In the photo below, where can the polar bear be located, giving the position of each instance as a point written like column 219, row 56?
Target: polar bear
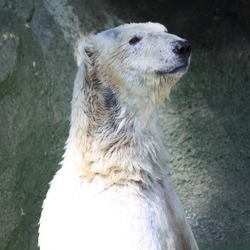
column 112, row 191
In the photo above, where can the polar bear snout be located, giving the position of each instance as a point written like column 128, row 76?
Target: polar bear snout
column 177, row 57
column 178, row 63
column 181, row 48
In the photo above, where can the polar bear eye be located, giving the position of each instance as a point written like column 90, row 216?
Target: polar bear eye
column 135, row 40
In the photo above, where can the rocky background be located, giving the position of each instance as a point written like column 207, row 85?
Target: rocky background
column 206, row 122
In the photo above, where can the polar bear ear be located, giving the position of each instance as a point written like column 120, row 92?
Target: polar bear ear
column 89, row 51
column 85, row 52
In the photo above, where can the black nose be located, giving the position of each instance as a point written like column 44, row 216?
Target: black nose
column 181, row 47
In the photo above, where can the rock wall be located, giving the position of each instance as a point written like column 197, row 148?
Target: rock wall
column 206, row 123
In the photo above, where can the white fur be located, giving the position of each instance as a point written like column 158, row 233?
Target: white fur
column 113, row 191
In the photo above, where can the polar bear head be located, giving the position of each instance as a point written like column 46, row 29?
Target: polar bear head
column 140, row 59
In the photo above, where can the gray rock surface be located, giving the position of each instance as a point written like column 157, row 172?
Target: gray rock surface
column 206, row 123
column 8, row 50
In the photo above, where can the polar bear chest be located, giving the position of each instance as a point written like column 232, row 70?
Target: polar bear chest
column 78, row 216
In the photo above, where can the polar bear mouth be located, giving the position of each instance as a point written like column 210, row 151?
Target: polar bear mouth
column 180, row 69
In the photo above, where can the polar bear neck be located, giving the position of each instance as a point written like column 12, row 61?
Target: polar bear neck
column 110, row 142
